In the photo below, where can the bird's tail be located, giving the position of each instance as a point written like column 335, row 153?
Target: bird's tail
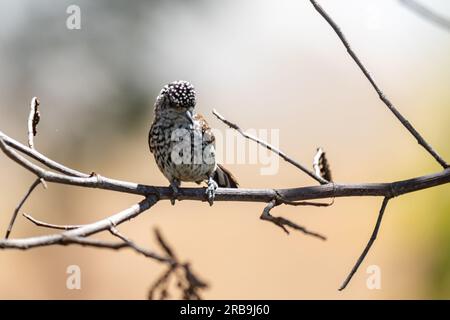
column 224, row 178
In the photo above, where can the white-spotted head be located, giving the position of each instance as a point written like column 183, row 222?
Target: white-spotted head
column 179, row 95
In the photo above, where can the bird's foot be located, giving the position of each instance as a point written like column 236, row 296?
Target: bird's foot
column 211, row 190
column 175, row 192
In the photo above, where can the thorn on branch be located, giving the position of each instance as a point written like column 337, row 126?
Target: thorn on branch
column 283, row 222
column 44, row 184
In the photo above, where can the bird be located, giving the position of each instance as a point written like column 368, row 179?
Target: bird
column 183, row 143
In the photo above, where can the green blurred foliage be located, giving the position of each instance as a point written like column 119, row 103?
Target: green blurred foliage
column 440, row 265
column 439, row 272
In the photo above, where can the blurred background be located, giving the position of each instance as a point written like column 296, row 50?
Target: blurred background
column 263, row 64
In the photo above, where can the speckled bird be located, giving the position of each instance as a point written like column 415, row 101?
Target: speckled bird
column 182, row 142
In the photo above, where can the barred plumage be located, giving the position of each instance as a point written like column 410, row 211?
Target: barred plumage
column 182, row 141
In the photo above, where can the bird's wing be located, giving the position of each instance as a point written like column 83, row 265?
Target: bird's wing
column 208, row 136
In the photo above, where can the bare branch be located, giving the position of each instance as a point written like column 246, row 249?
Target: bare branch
column 224, row 194
column 283, row 223
column 21, row 203
column 304, row 203
column 368, row 246
column 380, row 93
column 161, row 284
column 51, row 225
column 92, row 181
column 33, row 120
column 192, row 284
column 83, row 231
column 164, row 244
column 85, row 242
column 40, row 157
column 145, row 252
column 281, row 200
column 427, row 13
column 287, row 196
column 271, row 148
column 187, row 281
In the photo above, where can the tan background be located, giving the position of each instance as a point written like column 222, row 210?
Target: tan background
column 263, row 64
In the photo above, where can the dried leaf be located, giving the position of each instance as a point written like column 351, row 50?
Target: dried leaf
column 321, row 166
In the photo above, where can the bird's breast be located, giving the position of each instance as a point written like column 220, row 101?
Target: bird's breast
column 181, row 150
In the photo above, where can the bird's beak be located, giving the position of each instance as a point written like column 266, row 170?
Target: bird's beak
column 189, row 116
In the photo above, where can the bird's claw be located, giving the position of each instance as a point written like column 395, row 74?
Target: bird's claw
column 175, row 192
column 174, row 198
column 211, row 191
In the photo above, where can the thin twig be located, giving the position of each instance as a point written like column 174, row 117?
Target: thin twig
column 283, row 222
column 304, row 203
column 40, row 157
column 187, row 281
column 427, row 13
column 51, row 225
column 368, row 246
column 271, row 148
column 280, row 199
column 164, row 244
column 21, row 203
column 84, row 241
column 66, row 240
column 83, row 231
column 161, row 281
column 380, row 93
column 145, row 252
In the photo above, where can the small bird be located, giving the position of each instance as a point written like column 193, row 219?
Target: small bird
column 182, row 142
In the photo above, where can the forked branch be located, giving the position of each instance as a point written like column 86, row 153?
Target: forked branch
column 48, row 170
